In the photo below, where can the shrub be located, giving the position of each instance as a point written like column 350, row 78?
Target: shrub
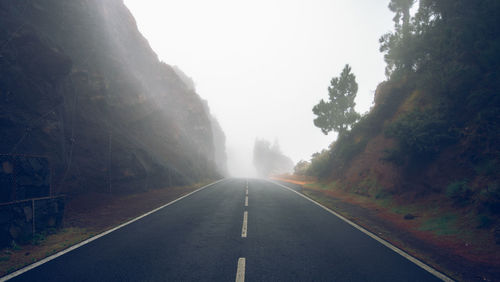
column 490, row 198
column 487, row 167
column 459, row 192
column 319, row 166
column 422, row 134
column 484, row 222
column 395, row 156
column 301, row 167
column 347, row 149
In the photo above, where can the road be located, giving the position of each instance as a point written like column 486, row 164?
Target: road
column 228, row 231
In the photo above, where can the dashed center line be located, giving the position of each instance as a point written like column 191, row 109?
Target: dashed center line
column 240, row 272
column 244, row 228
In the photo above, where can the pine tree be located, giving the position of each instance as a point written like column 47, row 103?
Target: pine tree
column 338, row 113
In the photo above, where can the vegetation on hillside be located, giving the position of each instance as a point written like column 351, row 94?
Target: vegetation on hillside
column 434, row 128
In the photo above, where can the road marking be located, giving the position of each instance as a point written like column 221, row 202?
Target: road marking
column 244, row 228
column 74, row 247
column 240, row 271
column 421, row 264
column 246, row 201
column 246, row 192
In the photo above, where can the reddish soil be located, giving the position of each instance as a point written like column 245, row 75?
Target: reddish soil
column 98, row 212
column 469, row 260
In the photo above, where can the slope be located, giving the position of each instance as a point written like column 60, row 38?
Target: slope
column 81, row 86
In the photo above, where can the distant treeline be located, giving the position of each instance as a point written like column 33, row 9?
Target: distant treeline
column 269, row 160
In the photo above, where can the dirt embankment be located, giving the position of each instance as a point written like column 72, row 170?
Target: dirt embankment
column 437, row 239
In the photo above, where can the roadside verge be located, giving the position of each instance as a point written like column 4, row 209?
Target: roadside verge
column 406, row 255
column 97, row 233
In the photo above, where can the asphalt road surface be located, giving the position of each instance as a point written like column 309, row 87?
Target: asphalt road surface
column 229, row 232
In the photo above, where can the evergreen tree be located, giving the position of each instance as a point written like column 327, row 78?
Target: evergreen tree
column 402, row 17
column 338, row 113
column 397, row 45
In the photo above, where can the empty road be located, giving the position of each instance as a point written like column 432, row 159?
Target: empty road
column 233, row 230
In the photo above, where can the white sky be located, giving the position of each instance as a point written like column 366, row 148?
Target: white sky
column 263, row 64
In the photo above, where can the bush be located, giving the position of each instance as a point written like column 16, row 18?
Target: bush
column 487, row 168
column 319, row 166
column 301, row 168
column 459, row 192
column 346, row 150
column 490, row 198
column 422, row 134
column 484, row 222
column 395, row 156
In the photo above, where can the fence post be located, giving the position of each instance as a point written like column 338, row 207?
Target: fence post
column 33, row 214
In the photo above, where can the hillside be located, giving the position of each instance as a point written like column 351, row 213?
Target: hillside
column 81, row 87
column 430, row 143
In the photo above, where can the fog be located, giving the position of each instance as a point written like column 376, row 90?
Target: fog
column 263, row 65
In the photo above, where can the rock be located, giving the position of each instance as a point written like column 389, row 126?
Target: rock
column 409, row 216
column 28, row 213
column 7, row 167
column 15, row 231
column 5, row 216
column 51, row 222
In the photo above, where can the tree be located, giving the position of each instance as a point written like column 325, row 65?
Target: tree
column 338, row 113
column 402, row 10
column 397, row 45
column 269, row 160
column 301, row 167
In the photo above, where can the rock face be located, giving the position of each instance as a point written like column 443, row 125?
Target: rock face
column 220, row 147
column 219, row 138
column 81, row 86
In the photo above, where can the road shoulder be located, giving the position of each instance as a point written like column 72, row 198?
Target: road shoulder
column 387, row 226
column 87, row 218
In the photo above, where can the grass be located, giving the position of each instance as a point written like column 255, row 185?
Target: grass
column 402, row 210
column 435, row 215
column 369, row 186
column 320, row 186
column 441, row 225
column 16, row 257
column 14, row 246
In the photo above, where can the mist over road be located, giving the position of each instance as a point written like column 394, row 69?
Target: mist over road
column 235, row 229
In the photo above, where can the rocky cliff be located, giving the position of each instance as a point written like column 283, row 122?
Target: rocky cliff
column 81, row 86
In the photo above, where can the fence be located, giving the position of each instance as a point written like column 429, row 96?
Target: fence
column 24, row 177
column 20, row 220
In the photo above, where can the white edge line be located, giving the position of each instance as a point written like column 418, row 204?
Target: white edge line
column 240, row 271
column 47, row 259
column 380, row 240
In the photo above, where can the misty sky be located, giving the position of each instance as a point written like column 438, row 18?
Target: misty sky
column 263, row 64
